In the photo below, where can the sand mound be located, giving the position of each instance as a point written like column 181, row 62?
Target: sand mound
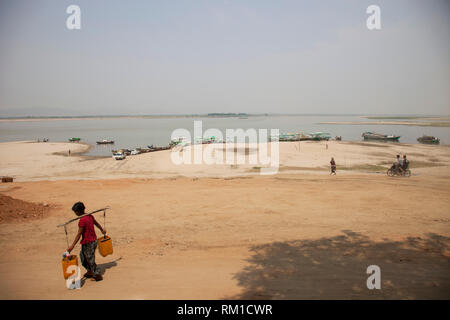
column 17, row 210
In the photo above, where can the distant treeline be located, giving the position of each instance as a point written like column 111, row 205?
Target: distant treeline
column 218, row 114
column 154, row 116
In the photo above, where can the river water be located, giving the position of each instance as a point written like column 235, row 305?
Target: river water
column 141, row 132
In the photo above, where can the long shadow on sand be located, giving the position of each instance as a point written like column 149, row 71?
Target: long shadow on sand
column 335, row 268
column 105, row 266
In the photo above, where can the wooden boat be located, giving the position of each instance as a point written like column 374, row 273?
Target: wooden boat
column 319, row 136
column 74, row 139
column 181, row 141
column 153, row 148
column 315, row 136
column 379, row 136
column 294, row 137
column 207, row 140
column 429, row 140
column 143, row 150
column 289, row 137
column 105, row 142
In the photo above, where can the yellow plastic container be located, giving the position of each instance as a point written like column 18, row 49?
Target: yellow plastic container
column 72, row 260
column 105, row 246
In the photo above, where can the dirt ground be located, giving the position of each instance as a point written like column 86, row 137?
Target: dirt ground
column 17, row 210
column 289, row 236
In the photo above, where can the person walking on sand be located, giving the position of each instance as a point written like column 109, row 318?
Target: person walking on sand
column 333, row 166
column 86, row 230
column 69, row 152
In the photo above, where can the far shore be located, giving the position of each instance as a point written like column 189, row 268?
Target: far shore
column 37, row 119
column 69, row 118
column 399, row 120
column 397, row 123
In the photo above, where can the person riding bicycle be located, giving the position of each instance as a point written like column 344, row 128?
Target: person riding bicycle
column 398, row 164
column 405, row 163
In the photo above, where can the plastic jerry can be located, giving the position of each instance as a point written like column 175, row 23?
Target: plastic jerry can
column 71, row 260
column 105, row 246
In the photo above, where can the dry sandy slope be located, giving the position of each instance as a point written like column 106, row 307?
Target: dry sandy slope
column 286, row 236
column 28, row 161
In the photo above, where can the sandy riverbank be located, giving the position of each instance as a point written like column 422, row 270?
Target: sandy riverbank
column 31, row 161
column 225, row 232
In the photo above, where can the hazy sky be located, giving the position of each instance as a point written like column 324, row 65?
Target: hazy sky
column 199, row 56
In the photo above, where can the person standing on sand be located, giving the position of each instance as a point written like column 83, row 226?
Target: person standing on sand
column 333, row 166
column 88, row 242
column 69, row 152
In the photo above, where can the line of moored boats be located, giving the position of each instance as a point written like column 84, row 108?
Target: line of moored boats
column 319, row 136
column 121, row 154
column 384, row 137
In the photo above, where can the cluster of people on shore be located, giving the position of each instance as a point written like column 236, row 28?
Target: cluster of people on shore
column 400, row 164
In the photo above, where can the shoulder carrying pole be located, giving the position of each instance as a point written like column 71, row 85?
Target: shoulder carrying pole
column 67, row 237
column 104, row 219
column 86, row 214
